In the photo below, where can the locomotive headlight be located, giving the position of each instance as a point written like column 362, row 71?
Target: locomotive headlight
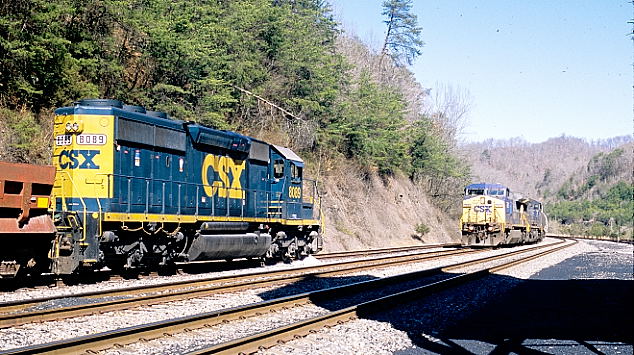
column 470, row 228
column 74, row 127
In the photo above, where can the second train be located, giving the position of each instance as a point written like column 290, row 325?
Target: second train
column 492, row 215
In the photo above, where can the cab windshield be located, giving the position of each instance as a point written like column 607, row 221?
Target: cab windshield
column 473, row 192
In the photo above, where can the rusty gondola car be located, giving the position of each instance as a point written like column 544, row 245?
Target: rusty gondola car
column 26, row 228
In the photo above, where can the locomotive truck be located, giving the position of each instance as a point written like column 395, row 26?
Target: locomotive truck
column 132, row 188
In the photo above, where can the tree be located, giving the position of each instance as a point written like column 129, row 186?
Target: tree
column 369, row 127
column 402, row 37
column 48, row 51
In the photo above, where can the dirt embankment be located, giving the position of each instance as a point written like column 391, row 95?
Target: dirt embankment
column 372, row 213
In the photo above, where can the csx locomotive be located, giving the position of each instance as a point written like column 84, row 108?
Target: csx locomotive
column 133, row 188
column 493, row 215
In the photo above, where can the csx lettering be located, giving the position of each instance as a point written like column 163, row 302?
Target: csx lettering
column 294, row 192
column 78, row 159
column 486, row 209
column 223, row 166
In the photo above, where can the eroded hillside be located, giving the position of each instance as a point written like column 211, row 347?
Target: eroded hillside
column 539, row 169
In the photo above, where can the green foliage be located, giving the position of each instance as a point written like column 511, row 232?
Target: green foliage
column 403, row 32
column 181, row 57
column 430, row 153
column 433, row 163
column 368, row 127
column 611, row 212
column 22, row 128
column 596, row 204
column 603, row 166
column 22, row 136
column 188, row 58
column 422, row 229
column 46, row 50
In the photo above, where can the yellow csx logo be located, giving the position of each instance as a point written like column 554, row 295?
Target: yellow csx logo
column 294, row 192
column 225, row 167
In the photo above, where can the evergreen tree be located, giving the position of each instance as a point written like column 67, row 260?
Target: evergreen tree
column 240, row 64
column 402, row 37
column 369, row 127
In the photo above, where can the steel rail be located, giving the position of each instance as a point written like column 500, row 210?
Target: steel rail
column 282, row 334
column 12, row 306
column 351, row 253
column 106, row 340
column 237, row 283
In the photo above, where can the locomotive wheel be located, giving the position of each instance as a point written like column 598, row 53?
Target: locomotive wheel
column 70, row 280
column 167, row 270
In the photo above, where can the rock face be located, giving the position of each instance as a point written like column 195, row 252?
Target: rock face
column 374, row 213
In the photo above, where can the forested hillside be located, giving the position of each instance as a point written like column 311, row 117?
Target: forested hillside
column 587, row 186
column 534, row 169
column 383, row 149
column 279, row 70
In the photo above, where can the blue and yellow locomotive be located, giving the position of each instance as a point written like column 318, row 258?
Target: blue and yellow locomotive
column 492, row 215
column 134, row 188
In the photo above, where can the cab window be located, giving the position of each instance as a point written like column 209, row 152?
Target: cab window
column 296, row 172
column 278, row 168
column 473, row 192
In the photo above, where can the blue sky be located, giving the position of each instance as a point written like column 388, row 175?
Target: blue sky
column 533, row 69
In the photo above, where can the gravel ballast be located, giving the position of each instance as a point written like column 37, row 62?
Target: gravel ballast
column 384, row 335
column 466, row 319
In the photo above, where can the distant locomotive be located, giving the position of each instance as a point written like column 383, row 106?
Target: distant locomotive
column 133, row 188
column 492, row 215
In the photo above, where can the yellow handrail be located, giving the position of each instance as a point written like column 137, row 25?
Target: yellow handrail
column 64, row 207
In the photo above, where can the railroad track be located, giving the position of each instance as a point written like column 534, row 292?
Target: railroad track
column 49, row 280
column 108, row 340
column 16, row 312
column 365, row 253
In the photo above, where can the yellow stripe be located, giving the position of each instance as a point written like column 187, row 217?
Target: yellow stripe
column 141, row 217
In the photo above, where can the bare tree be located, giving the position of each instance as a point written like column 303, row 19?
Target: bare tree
column 449, row 108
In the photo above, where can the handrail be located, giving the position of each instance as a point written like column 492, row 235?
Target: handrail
column 81, row 199
column 99, row 202
column 150, row 203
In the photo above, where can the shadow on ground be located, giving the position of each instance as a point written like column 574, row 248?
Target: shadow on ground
column 311, row 283
column 569, row 311
column 499, row 314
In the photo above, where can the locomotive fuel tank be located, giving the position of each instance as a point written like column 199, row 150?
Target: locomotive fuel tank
column 229, row 246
